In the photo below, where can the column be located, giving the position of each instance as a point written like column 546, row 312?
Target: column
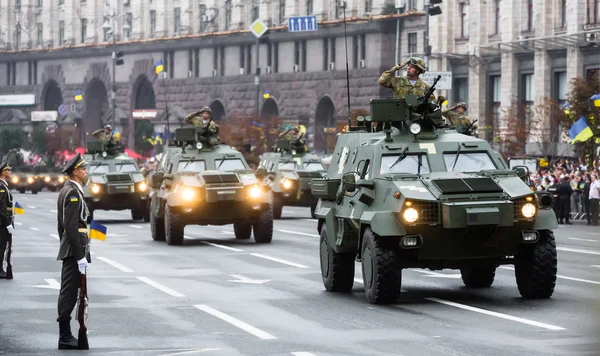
column 478, row 91
column 576, row 15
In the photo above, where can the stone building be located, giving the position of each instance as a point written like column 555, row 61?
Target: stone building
column 525, row 50
column 55, row 49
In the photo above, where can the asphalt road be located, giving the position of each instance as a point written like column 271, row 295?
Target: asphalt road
column 218, row 296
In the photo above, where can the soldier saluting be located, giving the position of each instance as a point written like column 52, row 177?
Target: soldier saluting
column 6, row 212
column 409, row 84
column 201, row 118
column 74, row 241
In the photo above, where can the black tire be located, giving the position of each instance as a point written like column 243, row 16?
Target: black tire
column 313, row 208
column 146, row 212
column 137, row 214
column 242, row 231
column 34, row 191
column 277, row 207
column 173, row 227
column 22, row 191
column 157, row 226
column 536, row 268
column 337, row 269
column 383, row 285
column 478, row 277
column 263, row 226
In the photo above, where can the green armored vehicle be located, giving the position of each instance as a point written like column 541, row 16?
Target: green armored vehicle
column 116, row 182
column 201, row 181
column 402, row 192
column 289, row 170
column 52, row 178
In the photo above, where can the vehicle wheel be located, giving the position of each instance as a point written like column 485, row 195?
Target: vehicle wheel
column 34, row 191
column 157, row 227
column 263, row 226
column 478, row 277
column 277, row 207
column 337, row 269
column 382, row 276
column 173, row 227
column 22, row 191
column 242, row 231
column 536, row 268
column 137, row 214
column 313, row 208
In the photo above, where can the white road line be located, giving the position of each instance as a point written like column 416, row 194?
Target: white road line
column 562, row 277
column 191, row 351
column 34, row 229
column 18, row 223
column 55, row 236
column 279, row 260
column 597, row 266
column 303, row 353
column 578, row 239
column 53, row 211
column 160, row 287
column 31, row 207
column 236, row 322
column 311, row 220
column 136, row 226
column 115, row 264
column 298, row 233
column 227, row 232
column 576, row 250
column 223, row 247
column 496, row 314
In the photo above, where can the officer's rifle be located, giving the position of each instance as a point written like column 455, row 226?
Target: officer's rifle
column 82, row 312
column 9, row 272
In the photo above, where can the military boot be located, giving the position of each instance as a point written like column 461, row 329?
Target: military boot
column 66, row 340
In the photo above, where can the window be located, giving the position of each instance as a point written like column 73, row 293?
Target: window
column 563, row 13
column 412, row 5
column 202, row 18
column 152, row 23
column 468, row 161
column 464, row 20
column 281, row 11
column 355, row 46
column 40, row 33
column 529, row 15
column 196, row 62
column 126, row 167
column 527, row 95
column 129, row 22
column 303, row 49
column 177, row 21
column 83, row 30
column 98, row 168
column 314, row 166
column 363, row 47
column 61, row 33
column 368, row 6
column 561, row 86
column 269, row 54
column 242, row 56
column 494, row 110
column 411, row 164
column 229, row 164
column 255, row 9
column 297, row 53
column 412, row 43
column 593, row 11
column 309, row 7
column 216, row 59
column 106, row 31
column 32, row 72
column 40, row 3
column 325, row 53
column 222, row 61
column 496, row 17
column 191, row 166
column 286, row 166
column 460, row 90
column 190, row 61
column 227, row 14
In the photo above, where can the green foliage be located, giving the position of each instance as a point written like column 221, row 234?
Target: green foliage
column 39, row 139
column 12, row 138
column 143, row 131
column 389, row 8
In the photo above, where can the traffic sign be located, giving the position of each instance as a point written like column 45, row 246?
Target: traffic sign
column 73, row 107
column 445, row 82
column 63, row 109
column 51, row 128
column 258, row 28
column 302, row 23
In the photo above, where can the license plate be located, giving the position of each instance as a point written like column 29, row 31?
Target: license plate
column 226, row 192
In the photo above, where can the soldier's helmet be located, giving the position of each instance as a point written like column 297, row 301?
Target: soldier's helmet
column 205, row 109
column 462, row 104
column 417, row 62
column 107, row 127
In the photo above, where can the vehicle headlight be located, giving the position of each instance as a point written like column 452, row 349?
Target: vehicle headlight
column 410, row 215
column 188, row 193
column 15, row 180
column 30, row 180
column 528, row 210
column 95, row 188
column 255, row 192
column 142, row 186
column 286, row 183
column 47, row 179
column 61, row 179
column 415, row 128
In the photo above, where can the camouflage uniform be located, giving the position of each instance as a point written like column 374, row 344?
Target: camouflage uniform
column 456, row 118
column 401, row 86
column 101, row 136
column 195, row 119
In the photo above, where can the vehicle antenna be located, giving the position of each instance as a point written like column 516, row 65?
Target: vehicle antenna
column 343, row 4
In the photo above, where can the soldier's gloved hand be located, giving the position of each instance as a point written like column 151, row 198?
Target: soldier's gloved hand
column 82, row 264
column 10, row 228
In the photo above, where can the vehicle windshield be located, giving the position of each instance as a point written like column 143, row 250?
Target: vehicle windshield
column 98, row 168
column 286, row 165
column 468, row 161
column 229, row 164
column 126, row 167
column 409, row 164
column 314, row 166
column 191, row 166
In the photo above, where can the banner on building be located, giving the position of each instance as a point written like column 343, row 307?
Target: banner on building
column 144, row 114
column 17, row 100
column 44, row 116
column 445, row 82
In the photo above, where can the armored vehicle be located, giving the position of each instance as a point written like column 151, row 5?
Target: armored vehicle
column 51, row 178
column 116, row 182
column 201, row 181
column 403, row 191
column 25, row 178
column 289, row 170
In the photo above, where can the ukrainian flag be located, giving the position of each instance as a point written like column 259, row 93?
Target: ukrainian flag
column 158, row 66
column 78, row 95
column 596, row 100
column 97, row 231
column 18, row 209
column 580, row 131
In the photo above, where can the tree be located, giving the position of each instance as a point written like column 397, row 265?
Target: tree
column 144, row 131
column 547, row 132
column 512, row 130
column 11, row 138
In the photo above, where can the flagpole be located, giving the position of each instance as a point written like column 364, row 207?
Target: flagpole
column 166, row 103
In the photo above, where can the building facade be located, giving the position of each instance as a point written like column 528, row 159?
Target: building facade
column 502, row 52
column 56, row 49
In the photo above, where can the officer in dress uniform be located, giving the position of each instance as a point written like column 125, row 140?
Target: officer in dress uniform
column 6, row 212
column 72, row 217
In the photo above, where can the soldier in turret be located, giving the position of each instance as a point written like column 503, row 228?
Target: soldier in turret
column 106, row 136
column 457, row 117
column 409, row 84
column 201, row 118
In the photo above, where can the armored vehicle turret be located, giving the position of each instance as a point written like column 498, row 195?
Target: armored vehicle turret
column 289, row 170
column 201, row 181
column 116, row 182
column 403, row 191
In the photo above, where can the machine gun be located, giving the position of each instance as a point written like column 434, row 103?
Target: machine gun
column 466, row 129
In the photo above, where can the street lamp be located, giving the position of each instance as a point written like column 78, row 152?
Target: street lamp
column 117, row 59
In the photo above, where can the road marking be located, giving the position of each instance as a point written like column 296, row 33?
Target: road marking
column 576, row 250
column 578, row 239
column 496, row 314
column 52, row 284
column 597, row 266
column 191, row 352
column 34, row 229
column 227, row 232
column 436, row 274
column 18, row 223
column 115, row 264
column 236, row 322
column 31, row 207
column 55, row 236
column 311, row 220
column 242, row 279
column 136, row 226
column 160, row 287
column 562, row 277
column 53, row 211
column 279, row 260
column 298, row 233
column 223, row 247
column 303, row 353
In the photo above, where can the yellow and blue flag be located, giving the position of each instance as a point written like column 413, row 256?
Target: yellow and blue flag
column 580, row 131
column 18, row 209
column 97, row 231
column 596, row 100
column 158, row 66
column 78, row 95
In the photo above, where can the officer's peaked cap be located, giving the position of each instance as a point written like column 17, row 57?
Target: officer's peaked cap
column 74, row 163
column 4, row 167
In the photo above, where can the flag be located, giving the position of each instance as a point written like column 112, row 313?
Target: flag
column 78, row 95
column 596, row 100
column 158, row 66
column 97, row 231
column 580, row 131
column 18, row 209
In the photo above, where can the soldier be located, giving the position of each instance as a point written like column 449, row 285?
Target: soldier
column 564, row 192
column 106, row 136
column 74, row 242
column 201, row 118
column 6, row 212
column 409, row 84
column 458, row 118
column 291, row 134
